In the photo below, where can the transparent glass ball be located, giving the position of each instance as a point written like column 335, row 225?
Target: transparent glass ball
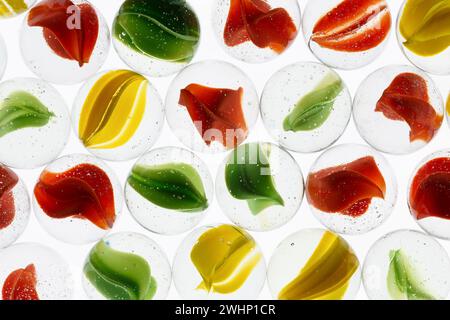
column 232, row 112
column 296, row 91
column 53, row 278
column 427, row 195
column 93, row 203
column 338, row 186
column 278, row 171
column 424, row 56
column 417, row 257
column 393, row 124
column 159, row 217
column 14, row 207
column 302, row 259
column 252, row 51
column 50, row 57
column 158, row 42
column 35, row 138
column 234, row 269
column 324, row 30
column 134, row 250
column 115, row 139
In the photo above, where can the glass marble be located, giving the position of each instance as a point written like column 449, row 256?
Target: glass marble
column 423, row 34
column 344, row 34
column 3, row 57
column 314, row 264
column 13, row 8
column 40, row 272
column 118, row 115
column 269, row 28
column 259, row 186
column 351, row 189
column 406, row 265
column 34, row 123
column 428, row 196
column 14, row 206
column 398, row 109
column 211, row 106
column 77, row 199
column 157, row 38
column 306, row 107
column 186, row 196
column 126, row 266
column 219, row 262
column 71, row 48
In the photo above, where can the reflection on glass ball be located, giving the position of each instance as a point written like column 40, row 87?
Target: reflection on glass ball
column 398, row 109
column 351, row 189
column 306, row 107
column 406, row 265
column 64, row 41
column 211, row 106
column 256, row 31
column 169, row 190
column 126, row 266
column 219, row 262
column 118, row 115
column 77, row 199
column 259, row 186
column 34, row 123
column 314, row 264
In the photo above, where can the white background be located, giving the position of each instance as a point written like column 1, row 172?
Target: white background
column 210, row 49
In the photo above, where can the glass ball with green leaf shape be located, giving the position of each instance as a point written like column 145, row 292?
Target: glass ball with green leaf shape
column 126, row 266
column 406, row 265
column 169, row 190
column 306, row 107
column 259, row 186
column 156, row 37
column 34, row 123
